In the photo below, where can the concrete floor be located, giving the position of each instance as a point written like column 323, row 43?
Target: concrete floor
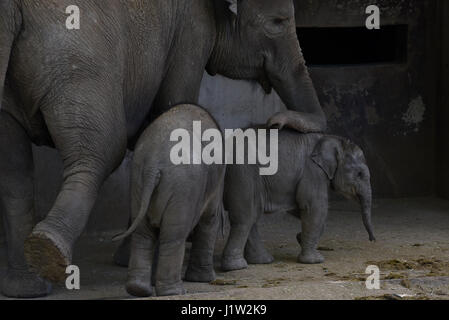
column 412, row 253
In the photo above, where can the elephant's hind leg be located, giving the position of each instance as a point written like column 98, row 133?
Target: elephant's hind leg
column 201, row 264
column 87, row 125
column 243, row 202
column 169, row 267
column 255, row 251
column 143, row 243
column 233, row 254
column 174, row 230
column 16, row 194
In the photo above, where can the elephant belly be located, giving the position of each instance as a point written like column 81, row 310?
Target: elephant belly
column 280, row 202
column 279, row 192
column 279, row 208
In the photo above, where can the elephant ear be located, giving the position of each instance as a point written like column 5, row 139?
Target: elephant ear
column 326, row 155
column 233, row 6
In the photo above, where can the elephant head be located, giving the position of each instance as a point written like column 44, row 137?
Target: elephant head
column 345, row 166
column 256, row 40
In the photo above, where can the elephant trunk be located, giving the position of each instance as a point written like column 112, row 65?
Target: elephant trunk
column 365, row 198
column 289, row 76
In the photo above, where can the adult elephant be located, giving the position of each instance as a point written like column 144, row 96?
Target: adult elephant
column 90, row 92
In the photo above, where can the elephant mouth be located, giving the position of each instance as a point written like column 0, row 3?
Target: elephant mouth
column 348, row 195
column 265, row 83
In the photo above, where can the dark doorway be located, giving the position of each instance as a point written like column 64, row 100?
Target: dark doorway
column 354, row 45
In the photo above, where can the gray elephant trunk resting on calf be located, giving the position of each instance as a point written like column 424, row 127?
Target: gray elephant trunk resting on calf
column 168, row 202
column 308, row 165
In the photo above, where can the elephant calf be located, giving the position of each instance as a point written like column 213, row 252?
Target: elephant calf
column 168, row 203
column 308, row 165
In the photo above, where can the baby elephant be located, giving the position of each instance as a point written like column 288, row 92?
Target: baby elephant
column 170, row 202
column 308, row 165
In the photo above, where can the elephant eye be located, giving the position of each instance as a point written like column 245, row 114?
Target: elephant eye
column 276, row 26
column 360, row 175
column 280, row 20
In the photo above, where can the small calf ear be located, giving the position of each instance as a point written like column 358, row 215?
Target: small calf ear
column 326, row 156
column 233, row 6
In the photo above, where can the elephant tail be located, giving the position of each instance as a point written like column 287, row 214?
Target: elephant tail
column 150, row 180
column 10, row 24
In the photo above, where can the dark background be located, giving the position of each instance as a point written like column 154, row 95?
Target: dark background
column 381, row 90
column 386, row 90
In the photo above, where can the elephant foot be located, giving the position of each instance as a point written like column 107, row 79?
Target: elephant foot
column 232, row 264
column 258, row 257
column 139, row 284
column 48, row 254
column 24, row 284
column 200, row 274
column 176, row 289
column 311, row 257
column 122, row 254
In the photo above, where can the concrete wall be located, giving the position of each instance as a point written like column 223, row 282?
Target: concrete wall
column 388, row 109
column 443, row 111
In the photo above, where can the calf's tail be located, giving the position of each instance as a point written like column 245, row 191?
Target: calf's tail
column 150, row 180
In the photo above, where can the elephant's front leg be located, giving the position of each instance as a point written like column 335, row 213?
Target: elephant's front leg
column 313, row 205
column 16, row 194
column 312, row 225
column 143, row 243
column 176, row 89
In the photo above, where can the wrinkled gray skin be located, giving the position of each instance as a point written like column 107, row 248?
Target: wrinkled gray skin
column 308, row 165
column 168, row 203
column 90, row 92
